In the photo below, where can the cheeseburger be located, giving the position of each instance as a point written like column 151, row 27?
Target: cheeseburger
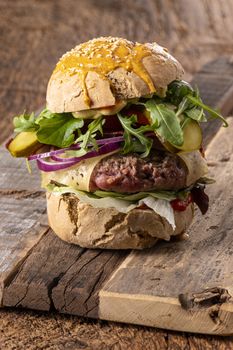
column 119, row 145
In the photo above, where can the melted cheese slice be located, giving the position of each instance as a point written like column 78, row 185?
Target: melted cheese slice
column 196, row 165
column 78, row 176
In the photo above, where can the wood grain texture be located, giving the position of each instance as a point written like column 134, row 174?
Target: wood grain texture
column 77, row 292
column 61, row 276
column 22, row 221
column 14, row 175
column 185, row 285
column 32, row 283
column 215, row 83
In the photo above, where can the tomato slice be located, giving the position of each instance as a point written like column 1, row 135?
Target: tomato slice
column 139, row 111
column 181, row 205
column 112, row 124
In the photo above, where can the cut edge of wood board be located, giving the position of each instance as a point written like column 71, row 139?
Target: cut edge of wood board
column 165, row 313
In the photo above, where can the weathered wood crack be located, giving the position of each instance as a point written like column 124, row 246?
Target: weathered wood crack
column 76, row 291
column 63, row 307
column 94, row 288
column 92, row 293
column 50, row 288
column 17, row 194
column 18, row 270
column 23, row 297
column 211, row 298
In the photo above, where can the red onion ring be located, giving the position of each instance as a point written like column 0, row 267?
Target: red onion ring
column 107, row 148
column 74, row 147
column 48, row 166
column 63, row 163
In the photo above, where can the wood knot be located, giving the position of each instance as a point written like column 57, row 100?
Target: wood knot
column 204, row 299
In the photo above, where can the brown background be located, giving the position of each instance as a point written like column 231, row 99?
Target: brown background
column 33, row 35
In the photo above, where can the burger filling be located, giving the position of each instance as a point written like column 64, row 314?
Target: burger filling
column 144, row 152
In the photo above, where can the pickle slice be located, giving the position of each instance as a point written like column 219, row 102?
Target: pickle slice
column 24, row 144
column 192, row 137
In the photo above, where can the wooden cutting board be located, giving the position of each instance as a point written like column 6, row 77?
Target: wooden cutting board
column 182, row 285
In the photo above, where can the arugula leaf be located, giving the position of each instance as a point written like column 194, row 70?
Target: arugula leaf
column 183, row 106
column 96, row 126
column 130, row 132
column 177, row 90
column 166, row 121
column 189, row 102
column 76, row 153
column 58, row 130
column 55, row 129
column 25, row 122
column 196, row 114
column 214, row 114
column 186, row 107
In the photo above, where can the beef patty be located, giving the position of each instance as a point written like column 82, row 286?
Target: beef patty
column 130, row 173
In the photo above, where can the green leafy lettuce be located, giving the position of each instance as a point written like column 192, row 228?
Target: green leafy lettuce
column 166, row 195
column 58, row 130
column 25, row 122
column 169, row 115
column 213, row 113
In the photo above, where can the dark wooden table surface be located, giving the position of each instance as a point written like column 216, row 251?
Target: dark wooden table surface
column 33, row 35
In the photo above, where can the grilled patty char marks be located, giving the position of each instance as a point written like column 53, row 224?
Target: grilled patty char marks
column 130, row 173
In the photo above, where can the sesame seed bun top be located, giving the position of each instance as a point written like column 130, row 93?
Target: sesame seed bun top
column 102, row 71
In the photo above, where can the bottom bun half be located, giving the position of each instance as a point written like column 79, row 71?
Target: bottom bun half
column 89, row 227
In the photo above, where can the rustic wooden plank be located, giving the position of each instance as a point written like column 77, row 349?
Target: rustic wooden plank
column 23, row 219
column 215, row 83
column 14, row 175
column 22, row 224
column 39, row 283
column 32, row 283
column 77, row 293
column 186, row 285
